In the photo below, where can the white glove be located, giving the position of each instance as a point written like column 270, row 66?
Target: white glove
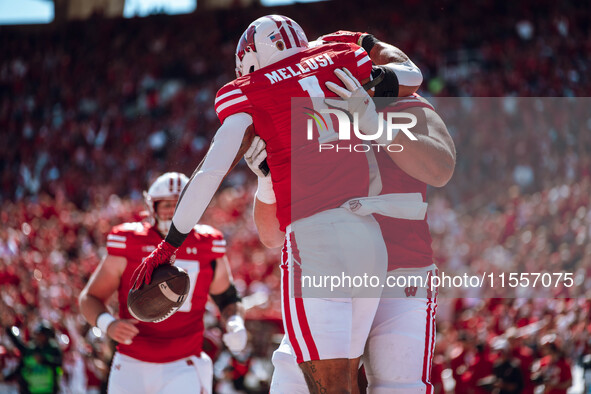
column 355, row 101
column 235, row 337
column 254, row 156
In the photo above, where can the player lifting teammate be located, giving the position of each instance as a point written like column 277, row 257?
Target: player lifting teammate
column 275, row 64
column 399, row 350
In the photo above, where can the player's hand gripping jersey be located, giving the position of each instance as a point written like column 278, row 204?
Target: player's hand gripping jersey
column 181, row 335
column 305, row 179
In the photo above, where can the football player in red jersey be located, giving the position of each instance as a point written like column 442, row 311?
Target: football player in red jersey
column 399, row 350
column 163, row 357
column 273, row 65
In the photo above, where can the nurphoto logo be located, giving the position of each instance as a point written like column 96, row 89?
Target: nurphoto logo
column 388, row 123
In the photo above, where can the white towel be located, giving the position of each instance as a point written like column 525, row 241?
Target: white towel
column 408, row 206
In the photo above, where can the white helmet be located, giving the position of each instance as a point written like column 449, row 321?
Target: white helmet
column 267, row 40
column 167, row 187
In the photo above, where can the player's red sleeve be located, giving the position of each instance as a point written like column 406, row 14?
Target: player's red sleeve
column 118, row 242
column 214, row 239
column 344, row 36
column 231, row 100
column 218, row 246
column 565, row 372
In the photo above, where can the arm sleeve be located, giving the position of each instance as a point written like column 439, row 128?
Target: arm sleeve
column 408, row 73
column 212, row 170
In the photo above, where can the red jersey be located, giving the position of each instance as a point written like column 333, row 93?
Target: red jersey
column 305, row 180
column 181, row 335
column 408, row 241
column 526, row 360
column 555, row 373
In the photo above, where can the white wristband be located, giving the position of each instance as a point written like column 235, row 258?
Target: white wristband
column 408, row 73
column 234, row 323
column 265, row 193
column 104, row 320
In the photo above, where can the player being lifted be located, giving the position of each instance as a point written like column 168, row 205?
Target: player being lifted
column 274, row 64
column 399, row 350
column 165, row 356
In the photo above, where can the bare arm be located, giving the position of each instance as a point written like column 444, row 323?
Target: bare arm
column 409, row 75
column 432, row 158
column 382, row 54
column 222, row 280
column 103, row 283
column 265, row 203
column 231, row 310
column 265, row 219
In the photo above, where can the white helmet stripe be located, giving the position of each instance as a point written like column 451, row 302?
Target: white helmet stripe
column 287, row 37
column 275, row 18
column 294, row 34
column 284, row 30
column 287, row 33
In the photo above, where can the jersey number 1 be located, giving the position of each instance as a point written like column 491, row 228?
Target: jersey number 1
column 326, row 132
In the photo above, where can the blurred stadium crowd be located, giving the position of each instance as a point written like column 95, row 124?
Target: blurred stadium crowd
column 92, row 112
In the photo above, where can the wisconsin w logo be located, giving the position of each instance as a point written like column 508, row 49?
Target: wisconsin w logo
column 410, row 291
